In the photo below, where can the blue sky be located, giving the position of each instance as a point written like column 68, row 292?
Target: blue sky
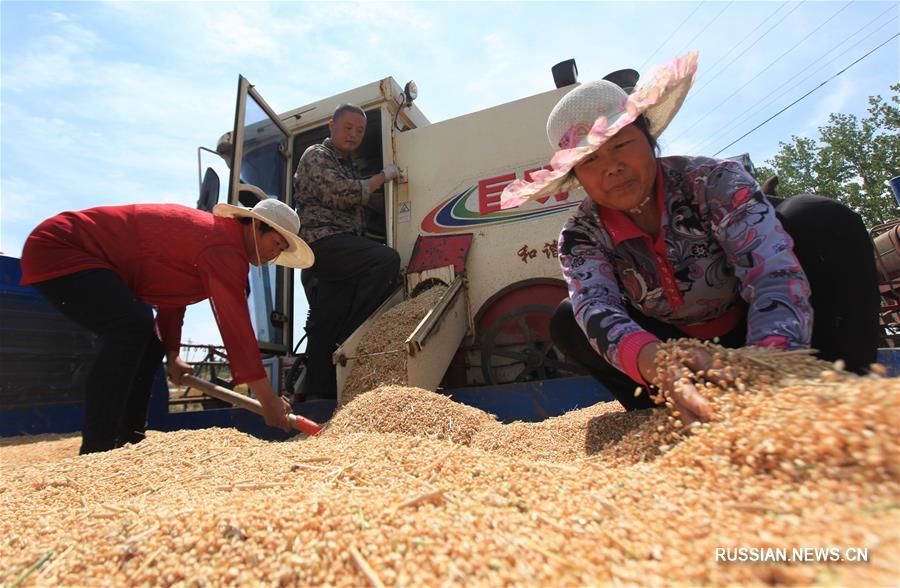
column 106, row 102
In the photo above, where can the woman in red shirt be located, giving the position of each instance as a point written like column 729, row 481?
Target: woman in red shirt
column 101, row 267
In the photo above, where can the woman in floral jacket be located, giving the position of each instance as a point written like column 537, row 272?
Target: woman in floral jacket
column 669, row 247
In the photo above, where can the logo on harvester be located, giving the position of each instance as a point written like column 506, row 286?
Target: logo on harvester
column 479, row 206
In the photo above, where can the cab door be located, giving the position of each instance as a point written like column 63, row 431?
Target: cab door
column 260, row 156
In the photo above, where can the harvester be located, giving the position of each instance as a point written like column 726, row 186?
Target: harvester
column 486, row 341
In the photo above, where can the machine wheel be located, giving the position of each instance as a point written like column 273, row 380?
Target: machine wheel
column 511, row 351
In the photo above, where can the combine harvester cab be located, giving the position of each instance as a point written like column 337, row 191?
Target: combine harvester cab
column 487, row 341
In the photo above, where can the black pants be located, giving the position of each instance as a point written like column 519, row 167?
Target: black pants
column 833, row 247
column 352, row 276
column 129, row 355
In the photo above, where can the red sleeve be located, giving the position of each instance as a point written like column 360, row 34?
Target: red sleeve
column 629, row 351
column 224, row 274
column 168, row 324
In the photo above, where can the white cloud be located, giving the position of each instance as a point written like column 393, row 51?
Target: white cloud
column 497, row 55
column 57, row 17
column 23, row 206
column 48, row 67
column 404, row 18
column 19, row 201
column 231, row 34
column 48, row 60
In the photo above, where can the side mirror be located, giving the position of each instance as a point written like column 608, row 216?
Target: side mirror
column 209, row 190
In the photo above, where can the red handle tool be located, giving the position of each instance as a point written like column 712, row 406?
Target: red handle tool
column 302, row 424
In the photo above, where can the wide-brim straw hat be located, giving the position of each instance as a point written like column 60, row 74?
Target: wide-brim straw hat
column 589, row 115
column 283, row 219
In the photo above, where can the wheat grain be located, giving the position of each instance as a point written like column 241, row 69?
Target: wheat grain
column 583, row 499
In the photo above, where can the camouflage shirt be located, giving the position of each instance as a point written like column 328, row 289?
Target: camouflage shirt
column 329, row 194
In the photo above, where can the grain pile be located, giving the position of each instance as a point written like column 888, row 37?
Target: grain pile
column 32, row 449
column 381, row 355
column 594, row 431
column 410, row 411
column 802, row 456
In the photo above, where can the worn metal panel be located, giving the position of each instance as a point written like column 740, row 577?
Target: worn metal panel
column 425, row 367
column 345, row 355
column 440, row 250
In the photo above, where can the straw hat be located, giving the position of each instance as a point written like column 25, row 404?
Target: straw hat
column 280, row 217
column 589, row 115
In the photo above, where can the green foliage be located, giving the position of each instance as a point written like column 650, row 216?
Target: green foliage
column 850, row 161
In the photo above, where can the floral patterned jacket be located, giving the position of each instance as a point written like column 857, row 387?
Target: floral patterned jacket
column 721, row 252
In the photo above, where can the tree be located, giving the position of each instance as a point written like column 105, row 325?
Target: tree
column 850, row 161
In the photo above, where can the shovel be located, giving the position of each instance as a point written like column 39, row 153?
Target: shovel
column 302, row 424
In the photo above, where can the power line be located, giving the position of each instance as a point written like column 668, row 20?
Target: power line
column 760, row 106
column 776, row 60
column 758, row 40
column 805, row 95
column 672, row 34
column 694, row 93
column 715, row 18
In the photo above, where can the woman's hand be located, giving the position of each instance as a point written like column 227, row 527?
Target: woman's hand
column 680, row 389
column 677, row 380
column 177, row 367
column 276, row 413
column 275, row 408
